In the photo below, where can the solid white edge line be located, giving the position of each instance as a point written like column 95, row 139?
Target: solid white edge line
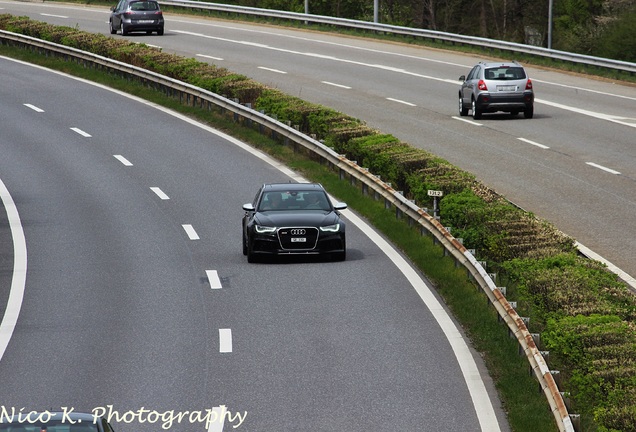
column 213, row 278
column 18, row 280
column 225, row 340
column 191, row 232
column 160, row 193
column 629, row 279
column 123, row 160
column 476, row 387
column 481, row 400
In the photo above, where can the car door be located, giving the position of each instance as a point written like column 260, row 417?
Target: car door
column 117, row 12
column 468, row 84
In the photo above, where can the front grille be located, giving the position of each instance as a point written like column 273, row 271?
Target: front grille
column 298, row 238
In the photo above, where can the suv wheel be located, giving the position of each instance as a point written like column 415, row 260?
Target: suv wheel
column 476, row 112
column 462, row 111
column 529, row 112
column 124, row 31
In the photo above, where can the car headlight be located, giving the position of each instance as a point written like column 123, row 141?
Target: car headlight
column 262, row 229
column 331, row 228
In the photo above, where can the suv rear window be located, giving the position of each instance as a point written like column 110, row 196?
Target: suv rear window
column 505, row 73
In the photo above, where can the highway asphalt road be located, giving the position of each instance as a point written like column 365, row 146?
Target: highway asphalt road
column 573, row 164
column 136, row 295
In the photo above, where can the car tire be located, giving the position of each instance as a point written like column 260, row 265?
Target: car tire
column 463, row 112
column 111, row 28
column 476, row 111
column 124, row 32
column 244, row 244
column 160, row 32
column 529, row 112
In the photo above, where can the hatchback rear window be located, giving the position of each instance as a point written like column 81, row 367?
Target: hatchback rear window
column 144, row 6
column 505, row 73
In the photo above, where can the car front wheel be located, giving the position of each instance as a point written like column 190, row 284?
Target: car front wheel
column 462, row 110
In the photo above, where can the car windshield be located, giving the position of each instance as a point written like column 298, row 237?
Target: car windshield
column 505, row 73
column 294, row 200
column 49, row 427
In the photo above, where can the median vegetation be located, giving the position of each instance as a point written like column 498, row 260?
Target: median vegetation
column 584, row 314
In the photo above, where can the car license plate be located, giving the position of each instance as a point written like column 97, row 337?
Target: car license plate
column 298, row 239
column 506, row 88
column 145, row 21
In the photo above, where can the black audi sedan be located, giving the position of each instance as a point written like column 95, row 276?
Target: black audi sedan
column 293, row 219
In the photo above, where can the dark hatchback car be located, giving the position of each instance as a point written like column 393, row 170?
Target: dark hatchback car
column 293, row 219
column 136, row 16
column 493, row 87
column 71, row 421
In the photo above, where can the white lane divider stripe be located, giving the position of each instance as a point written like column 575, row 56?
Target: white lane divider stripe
column 34, row 108
column 81, row 132
column 272, row 70
column 160, row 193
column 401, row 102
column 609, row 170
column 123, row 160
column 534, row 143
column 213, row 278
column 192, row 234
column 336, row 85
column 225, row 340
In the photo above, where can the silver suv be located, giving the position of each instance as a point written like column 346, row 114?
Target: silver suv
column 493, row 87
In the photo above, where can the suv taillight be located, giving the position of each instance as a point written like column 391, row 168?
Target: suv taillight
column 481, row 85
column 529, row 84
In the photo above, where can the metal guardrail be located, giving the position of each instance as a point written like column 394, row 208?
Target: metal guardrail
column 195, row 95
column 512, row 47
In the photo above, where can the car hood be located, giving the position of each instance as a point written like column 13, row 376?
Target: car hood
column 292, row 218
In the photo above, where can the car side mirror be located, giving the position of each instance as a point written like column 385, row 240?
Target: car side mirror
column 462, row 78
column 248, row 207
column 340, row 206
column 112, row 8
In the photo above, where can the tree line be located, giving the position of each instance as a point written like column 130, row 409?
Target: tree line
column 603, row 28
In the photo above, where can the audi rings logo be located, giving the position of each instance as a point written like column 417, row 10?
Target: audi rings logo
column 298, row 231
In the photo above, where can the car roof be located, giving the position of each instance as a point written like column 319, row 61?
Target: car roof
column 499, row 64
column 271, row 187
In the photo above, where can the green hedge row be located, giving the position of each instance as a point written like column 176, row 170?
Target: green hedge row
column 584, row 314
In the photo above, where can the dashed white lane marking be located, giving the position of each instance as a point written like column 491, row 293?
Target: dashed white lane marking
column 190, row 231
column 272, row 70
column 160, row 193
column 401, row 101
column 81, row 132
column 54, row 16
column 34, row 108
column 210, row 57
column 336, row 85
column 214, row 279
column 123, row 160
column 601, row 167
column 534, row 143
column 225, row 340
column 468, row 121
